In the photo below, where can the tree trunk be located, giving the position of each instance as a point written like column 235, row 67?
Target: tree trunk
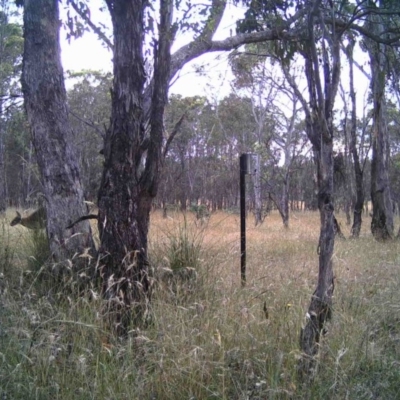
column 319, row 310
column 256, row 178
column 45, row 103
column 319, row 125
column 132, row 163
column 382, row 212
column 358, row 171
column 284, row 208
column 283, row 204
column 28, row 179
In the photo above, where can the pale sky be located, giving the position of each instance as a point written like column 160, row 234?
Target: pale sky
column 87, row 53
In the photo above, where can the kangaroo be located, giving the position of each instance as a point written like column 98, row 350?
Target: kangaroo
column 36, row 220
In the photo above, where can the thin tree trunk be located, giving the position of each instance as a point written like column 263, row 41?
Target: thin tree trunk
column 319, row 311
column 319, row 117
column 283, row 204
column 45, row 103
column 358, row 171
column 284, row 209
column 256, row 178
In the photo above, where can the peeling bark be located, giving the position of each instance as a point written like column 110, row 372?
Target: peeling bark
column 382, row 211
column 45, row 103
column 380, row 34
column 320, row 130
column 132, row 163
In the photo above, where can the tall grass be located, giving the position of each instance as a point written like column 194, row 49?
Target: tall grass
column 210, row 338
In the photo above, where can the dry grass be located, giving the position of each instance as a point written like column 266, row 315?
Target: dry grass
column 209, row 338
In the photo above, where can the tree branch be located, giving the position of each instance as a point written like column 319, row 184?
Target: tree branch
column 174, row 132
column 197, row 48
column 95, row 29
column 364, row 31
column 90, row 124
column 360, row 67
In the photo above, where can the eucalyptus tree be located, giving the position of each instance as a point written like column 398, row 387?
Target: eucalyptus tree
column 46, row 107
column 322, row 85
column 383, row 22
column 393, row 124
column 217, row 158
column 380, row 36
column 358, row 145
column 303, row 187
column 318, row 47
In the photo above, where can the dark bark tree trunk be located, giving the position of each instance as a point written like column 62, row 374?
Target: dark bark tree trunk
column 382, row 211
column 319, row 125
column 45, row 103
column 132, row 154
column 358, row 171
column 27, row 170
column 256, row 178
column 284, row 206
column 319, row 311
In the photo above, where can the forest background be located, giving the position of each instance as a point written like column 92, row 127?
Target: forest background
column 255, row 115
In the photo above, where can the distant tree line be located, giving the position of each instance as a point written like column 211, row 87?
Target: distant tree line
column 202, row 161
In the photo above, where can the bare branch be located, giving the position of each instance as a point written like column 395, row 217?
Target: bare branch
column 214, row 19
column 174, row 132
column 360, row 67
column 382, row 39
column 88, row 123
column 197, row 48
column 95, row 29
column 314, row 56
column 296, row 90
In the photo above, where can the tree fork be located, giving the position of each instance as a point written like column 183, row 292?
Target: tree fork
column 131, row 170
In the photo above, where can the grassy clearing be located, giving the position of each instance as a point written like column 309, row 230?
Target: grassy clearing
column 209, row 338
